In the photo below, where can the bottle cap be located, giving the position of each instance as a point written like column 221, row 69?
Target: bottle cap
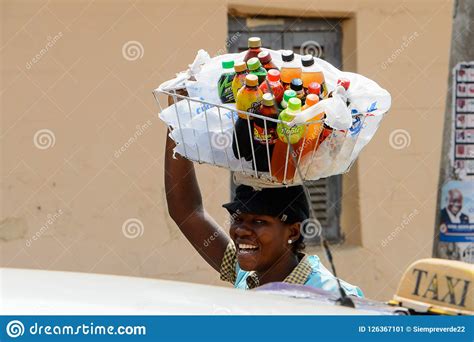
column 288, row 94
column 294, row 104
column 264, row 57
column 307, row 60
column 296, row 84
column 253, row 63
column 254, row 42
column 314, row 88
column 311, row 99
column 251, row 80
column 344, row 82
column 287, row 56
column 268, row 99
column 227, row 64
column 240, row 66
column 273, row 75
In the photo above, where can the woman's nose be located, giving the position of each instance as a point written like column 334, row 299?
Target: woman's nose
column 242, row 230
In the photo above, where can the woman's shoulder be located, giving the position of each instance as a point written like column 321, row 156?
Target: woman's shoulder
column 321, row 277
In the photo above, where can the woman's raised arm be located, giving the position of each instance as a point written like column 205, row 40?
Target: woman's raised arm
column 185, row 207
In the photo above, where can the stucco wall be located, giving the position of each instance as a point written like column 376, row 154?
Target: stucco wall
column 64, row 69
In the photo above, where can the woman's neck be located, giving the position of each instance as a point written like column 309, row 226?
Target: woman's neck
column 279, row 270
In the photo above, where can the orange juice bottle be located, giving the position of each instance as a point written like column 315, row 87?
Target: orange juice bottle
column 249, row 97
column 313, row 131
column 312, row 73
column 290, row 68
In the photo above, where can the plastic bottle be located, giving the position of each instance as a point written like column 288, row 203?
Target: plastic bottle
column 241, row 146
column 312, row 73
column 255, row 68
column 313, row 131
column 249, row 97
column 285, row 132
column 239, row 79
column 311, row 99
column 287, row 95
column 269, row 110
column 224, row 84
column 314, row 88
column 290, row 68
column 266, row 60
column 345, row 83
column 263, row 137
column 254, row 44
column 283, row 166
column 297, row 85
column 273, row 78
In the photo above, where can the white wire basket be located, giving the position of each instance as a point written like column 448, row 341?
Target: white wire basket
column 206, row 132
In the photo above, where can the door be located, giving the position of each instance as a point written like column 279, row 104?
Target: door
column 322, row 38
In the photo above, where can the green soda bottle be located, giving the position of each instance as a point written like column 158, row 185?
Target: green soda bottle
column 224, row 85
column 285, row 132
column 287, row 95
column 255, row 68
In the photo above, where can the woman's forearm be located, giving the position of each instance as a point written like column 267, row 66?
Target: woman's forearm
column 181, row 186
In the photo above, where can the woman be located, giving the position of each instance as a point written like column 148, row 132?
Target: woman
column 265, row 243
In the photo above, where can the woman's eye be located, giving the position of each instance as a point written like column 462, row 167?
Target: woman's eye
column 259, row 222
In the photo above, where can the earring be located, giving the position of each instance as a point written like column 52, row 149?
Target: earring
column 289, row 242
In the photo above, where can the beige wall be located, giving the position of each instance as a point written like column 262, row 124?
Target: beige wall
column 91, row 98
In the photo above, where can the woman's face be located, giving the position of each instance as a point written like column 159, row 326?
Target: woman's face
column 260, row 240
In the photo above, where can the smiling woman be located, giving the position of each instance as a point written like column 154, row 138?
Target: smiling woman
column 265, row 243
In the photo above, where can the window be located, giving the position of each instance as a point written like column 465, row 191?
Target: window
column 322, row 38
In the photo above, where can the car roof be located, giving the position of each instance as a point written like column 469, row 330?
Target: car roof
column 40, row 292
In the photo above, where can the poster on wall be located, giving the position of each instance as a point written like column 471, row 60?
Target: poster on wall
column 456, row 225
column 462, row 155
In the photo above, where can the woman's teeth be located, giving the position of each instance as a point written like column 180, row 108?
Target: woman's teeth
column 246, row 247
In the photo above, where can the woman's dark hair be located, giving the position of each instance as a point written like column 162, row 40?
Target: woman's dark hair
column 298, row 245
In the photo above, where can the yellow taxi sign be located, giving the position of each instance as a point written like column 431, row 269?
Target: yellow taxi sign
column 437, row 286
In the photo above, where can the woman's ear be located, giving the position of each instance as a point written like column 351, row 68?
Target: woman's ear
column 295, row 231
